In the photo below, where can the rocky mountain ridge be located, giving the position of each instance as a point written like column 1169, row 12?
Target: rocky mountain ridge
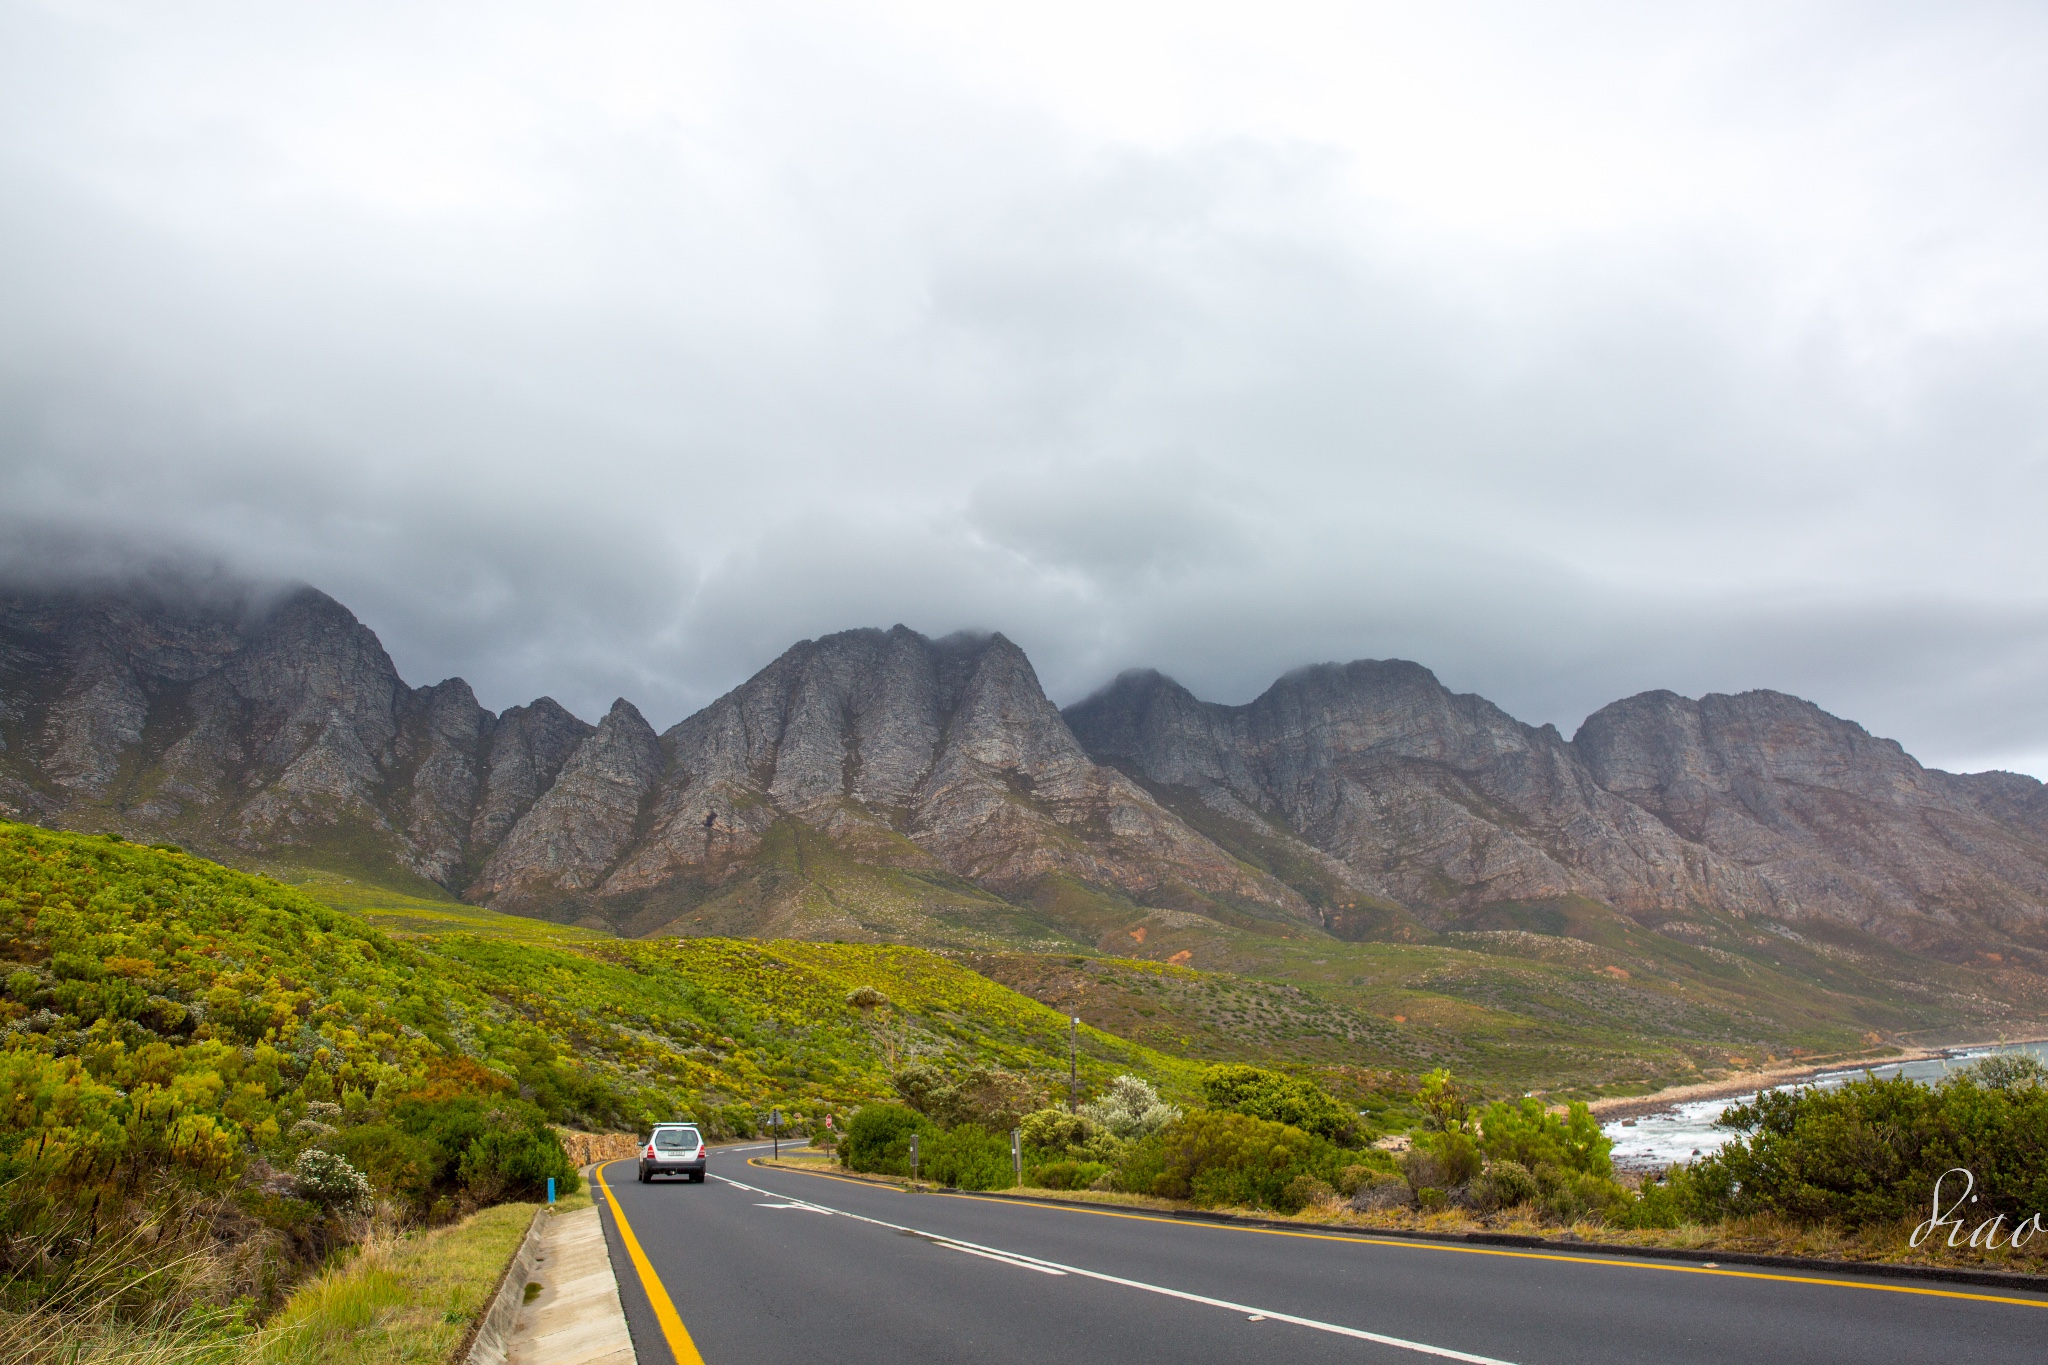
column 1357, row 800
column 1756, row 805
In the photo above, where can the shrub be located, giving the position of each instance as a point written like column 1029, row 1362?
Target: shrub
column 1216, row 1158
column 486, row 1147
column 1659, row 1204
column 1527, row 1133
column 969, row 1158
column 1130, row 1109
column 987, row 1096
column 1279, row 1098
column 928, row 1090
column 2009, row 1071
column 1381, row 1190
column 878, row 1138
column 1305, row 1191
column 516, row 1162
column 404, row 1166
column 1567, row 1196
column 328, row 1180
column 1055, row 1130
column 1351, row 1177
column 995, row 1098
column 1441, row 1100
column 1503, row 1185
column 1446, row 1160
column 1870, row 1151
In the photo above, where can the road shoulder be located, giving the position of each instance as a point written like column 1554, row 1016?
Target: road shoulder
column 575, row 1317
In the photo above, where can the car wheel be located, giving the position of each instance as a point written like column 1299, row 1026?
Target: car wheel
column 696, row 1177
column 643, row 1177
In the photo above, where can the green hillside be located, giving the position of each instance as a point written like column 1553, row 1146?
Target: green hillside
column 206, row 1075
column 1565, row 995
column 119, row 948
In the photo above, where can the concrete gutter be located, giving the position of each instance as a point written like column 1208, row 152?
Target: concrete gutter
column 486, row 1345
column 574, row 1316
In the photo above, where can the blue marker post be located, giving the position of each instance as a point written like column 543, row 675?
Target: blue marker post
column 551, row 1189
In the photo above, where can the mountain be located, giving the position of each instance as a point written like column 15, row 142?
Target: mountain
column 278, row 729
column 273, row 727
column 932, row 757
column 1679, row 884
column 1361, row 800
column 1759, row 806
column 1829, row 822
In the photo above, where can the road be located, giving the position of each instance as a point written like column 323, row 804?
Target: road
column 778, row 1265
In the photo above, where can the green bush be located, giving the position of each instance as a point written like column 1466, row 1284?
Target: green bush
column 1527, row 1133
column 516, row 1162
column 402, row 1165
column 1129, row 1109
column 1659, row 1204
column 329, row 1180
column 1568, row 1196
column 1503, row 1185
column 1055, row 1130
column 878, row 1138
column 1444, row 1161
column 1279, row 1098
column 1352, row 1177
column 969, row 1158
column 1216, row 1158
column 1303, row 1192
column 1870, row 1151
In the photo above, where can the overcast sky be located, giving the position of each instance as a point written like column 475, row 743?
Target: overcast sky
column 592, row 349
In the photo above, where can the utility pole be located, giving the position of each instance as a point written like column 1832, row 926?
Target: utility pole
column 913, row 1159
column 775, row 1132
column 1074, row 1065
column 1017, row 1153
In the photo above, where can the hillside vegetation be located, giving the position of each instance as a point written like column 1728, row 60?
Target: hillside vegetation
column 215, row 1064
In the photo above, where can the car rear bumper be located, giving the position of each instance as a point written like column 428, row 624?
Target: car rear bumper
column 671, row 1167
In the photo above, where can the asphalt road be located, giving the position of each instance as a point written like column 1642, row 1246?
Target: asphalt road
column 774, row 1265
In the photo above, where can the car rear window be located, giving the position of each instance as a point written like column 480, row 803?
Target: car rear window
column 676, row 1137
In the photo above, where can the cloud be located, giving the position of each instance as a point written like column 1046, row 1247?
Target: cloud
column 609, row 352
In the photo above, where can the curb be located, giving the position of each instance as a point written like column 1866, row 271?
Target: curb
column 1892, row 1270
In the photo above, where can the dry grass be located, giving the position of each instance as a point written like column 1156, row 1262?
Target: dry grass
column 401, row 1301
column 395, row 1300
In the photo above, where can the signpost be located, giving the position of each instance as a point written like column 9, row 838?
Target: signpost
column 913, row 1158
column 1017, row 1153
column 775, row 1131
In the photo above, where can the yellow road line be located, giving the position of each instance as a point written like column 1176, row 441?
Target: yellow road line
column 679, row 1343
column 1407, row 1244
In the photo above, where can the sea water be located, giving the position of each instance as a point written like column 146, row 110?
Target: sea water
column 1686, row 1131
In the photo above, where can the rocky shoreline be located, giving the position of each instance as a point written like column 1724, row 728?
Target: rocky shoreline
column 1748, row 1082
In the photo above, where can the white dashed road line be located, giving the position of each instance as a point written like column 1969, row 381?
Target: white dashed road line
column 1029, row 1262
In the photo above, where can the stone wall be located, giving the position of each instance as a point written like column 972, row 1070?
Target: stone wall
column 584, row 1148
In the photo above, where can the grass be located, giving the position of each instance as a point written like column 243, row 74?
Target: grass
column 398, row 912
column 393, row 1300
column 404, row 1299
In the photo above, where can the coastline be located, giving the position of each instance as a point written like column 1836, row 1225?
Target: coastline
column 1787, row 1073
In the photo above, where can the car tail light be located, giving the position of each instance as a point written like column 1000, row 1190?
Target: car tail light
column 700, row 1151
column 650, row 1151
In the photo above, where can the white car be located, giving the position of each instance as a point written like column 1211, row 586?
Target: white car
column 673, row 1149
